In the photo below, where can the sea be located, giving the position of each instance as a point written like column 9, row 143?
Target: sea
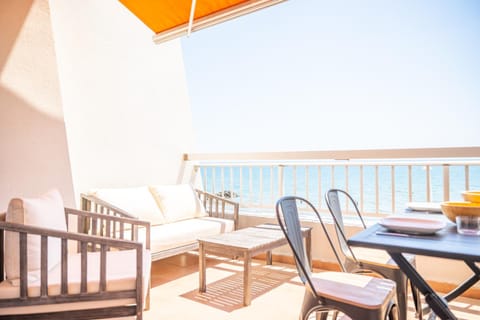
column 258, row 186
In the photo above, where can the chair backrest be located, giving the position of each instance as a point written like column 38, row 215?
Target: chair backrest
column 334, row 199
column 289, row 221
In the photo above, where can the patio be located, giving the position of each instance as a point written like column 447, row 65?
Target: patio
column 277, row 292
column 69, row 121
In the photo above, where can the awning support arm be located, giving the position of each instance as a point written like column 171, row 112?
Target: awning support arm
column 192, row 14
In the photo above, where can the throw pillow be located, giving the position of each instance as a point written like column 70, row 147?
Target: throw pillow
column 44, row 212
column 178, row 202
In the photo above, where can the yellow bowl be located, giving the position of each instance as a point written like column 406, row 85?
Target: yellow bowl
column 472, row 196
column 453, row 209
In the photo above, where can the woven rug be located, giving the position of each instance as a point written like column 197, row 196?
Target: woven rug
column 227, row 294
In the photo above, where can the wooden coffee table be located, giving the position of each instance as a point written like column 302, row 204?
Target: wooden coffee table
column 246, row 243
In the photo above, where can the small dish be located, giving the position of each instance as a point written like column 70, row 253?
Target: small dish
column 413, row 225
column 424, row 206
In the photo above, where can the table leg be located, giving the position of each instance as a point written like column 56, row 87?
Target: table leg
column 467, row 284
column 437, row 303
column 247, row 279
column 269, row 257
column 202, row 285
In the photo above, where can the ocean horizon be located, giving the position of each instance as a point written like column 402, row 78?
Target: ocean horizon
column 260, row 188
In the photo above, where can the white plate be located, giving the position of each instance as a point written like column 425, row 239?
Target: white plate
column 412, row 224
column 424, row 206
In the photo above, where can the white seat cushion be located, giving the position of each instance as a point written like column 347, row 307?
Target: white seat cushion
column 171, row 235
column 178, row 202
column 44, row 212
column 121, row 275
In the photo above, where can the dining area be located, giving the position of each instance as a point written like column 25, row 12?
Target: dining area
column 388, row 249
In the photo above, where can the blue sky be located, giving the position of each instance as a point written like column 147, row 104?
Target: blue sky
column 324, row 75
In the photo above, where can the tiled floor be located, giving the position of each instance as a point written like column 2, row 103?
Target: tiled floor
column 276, row 294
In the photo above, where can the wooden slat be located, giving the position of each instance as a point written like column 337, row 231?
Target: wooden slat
column 2, row 255
column 100, row 313
column 114, row 231
column 103, row 268
column 64, row 281
column 23, row 264
column 139, row 282
column 94, row 226
column 43, row 266
column 107, row 229
column 83, row 264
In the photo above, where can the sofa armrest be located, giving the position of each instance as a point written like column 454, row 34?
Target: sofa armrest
column 219, row 207
column 93, row 203
column 108, row 226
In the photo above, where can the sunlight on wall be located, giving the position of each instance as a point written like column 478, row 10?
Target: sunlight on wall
column 28, row 71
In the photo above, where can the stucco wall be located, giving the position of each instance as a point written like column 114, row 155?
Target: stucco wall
column 87, row 100
column 34, row 153
column 125, row 99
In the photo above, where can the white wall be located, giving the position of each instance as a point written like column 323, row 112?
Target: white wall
column 125, row 99
column 87, row 100
column 34, row 153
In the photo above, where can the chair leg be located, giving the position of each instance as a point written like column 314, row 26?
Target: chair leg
column 417, row 301
column 308, row 306
column 393, row 312
column 402, row 296
column 321, row 315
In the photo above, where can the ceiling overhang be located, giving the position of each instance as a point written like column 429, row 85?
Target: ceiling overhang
column 170, row 19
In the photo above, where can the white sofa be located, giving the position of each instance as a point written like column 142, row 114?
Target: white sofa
column 178, row 214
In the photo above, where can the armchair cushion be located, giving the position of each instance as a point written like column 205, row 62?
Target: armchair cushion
column 44, row 212
column 121, row 275
column 178, row 202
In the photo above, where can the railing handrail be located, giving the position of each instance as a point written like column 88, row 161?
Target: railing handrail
column 413, row 153
column 355, row 162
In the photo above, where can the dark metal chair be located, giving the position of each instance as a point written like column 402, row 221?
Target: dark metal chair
column 368, row 261
column 356, row 296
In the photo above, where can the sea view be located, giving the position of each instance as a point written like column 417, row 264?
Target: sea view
column 257, row 186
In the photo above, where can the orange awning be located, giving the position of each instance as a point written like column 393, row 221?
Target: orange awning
column 170, row 19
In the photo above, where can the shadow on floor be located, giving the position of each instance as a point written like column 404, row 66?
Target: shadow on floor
column 226, row 294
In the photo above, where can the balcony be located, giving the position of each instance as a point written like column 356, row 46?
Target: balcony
column 383, row 181
column 111, row 110
column 279, row 296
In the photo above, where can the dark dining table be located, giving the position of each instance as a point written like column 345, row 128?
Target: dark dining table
column 446, row 243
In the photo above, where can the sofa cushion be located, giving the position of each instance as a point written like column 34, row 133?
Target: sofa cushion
column 44, row 212
column 178, row 202
column 172, row 235
column 137, row 201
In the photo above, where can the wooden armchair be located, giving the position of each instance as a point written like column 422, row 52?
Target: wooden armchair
column 87, row 283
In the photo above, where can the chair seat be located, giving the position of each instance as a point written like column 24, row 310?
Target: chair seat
column 359, row 290
column 377, row 257
column 121, row 275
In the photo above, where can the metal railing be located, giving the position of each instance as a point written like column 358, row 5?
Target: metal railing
column 381, row 186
